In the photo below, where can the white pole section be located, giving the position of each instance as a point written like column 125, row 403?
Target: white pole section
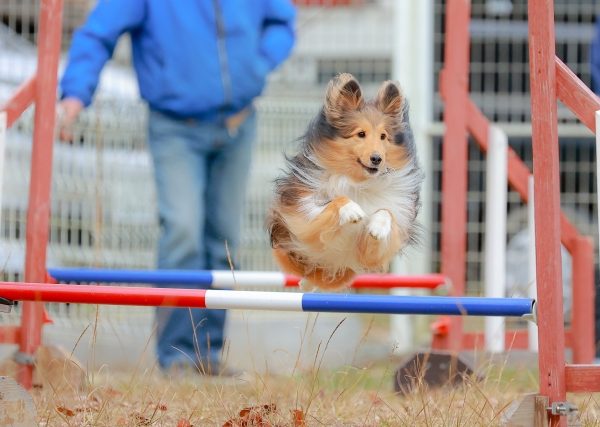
column 495, row 233
column 3, row 123
column 412, row 67
column 532, row 329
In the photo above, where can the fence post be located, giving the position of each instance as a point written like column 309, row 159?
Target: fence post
column 583, row 335
column 454, row 87
column 544, row 127
column 38, row 212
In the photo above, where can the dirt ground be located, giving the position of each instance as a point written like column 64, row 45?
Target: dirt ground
column 349, row 396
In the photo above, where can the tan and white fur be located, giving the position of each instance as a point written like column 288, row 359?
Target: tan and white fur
column 349, row 199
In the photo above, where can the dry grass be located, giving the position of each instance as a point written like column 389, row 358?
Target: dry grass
column 348, row 396
column 344, row 397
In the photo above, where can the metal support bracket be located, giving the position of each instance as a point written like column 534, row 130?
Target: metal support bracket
column 6, row 305
column 533, row 316
column 24, row 358
column 562, row 408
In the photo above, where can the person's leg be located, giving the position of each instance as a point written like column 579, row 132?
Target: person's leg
column 228, row 170
column 180, row 175
column 228, row 174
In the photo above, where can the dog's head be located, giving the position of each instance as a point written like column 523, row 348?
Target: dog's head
column 363, row 139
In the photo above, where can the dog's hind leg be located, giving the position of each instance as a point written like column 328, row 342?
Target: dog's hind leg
column 288, row 263
column 324, row 280
column 316, row 277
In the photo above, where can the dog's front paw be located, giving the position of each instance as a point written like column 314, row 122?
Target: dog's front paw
column 351, row 212
column 380, row 225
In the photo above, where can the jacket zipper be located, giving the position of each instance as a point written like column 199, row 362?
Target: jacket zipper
column 222, row 52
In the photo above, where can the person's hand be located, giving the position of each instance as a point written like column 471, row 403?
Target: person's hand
column 68, row 111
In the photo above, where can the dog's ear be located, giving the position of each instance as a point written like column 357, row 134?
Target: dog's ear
column 390, row 99
column 343, row 96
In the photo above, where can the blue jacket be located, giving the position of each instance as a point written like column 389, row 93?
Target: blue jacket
column 193, row 58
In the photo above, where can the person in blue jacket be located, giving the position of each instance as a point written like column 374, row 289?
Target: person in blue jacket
column 199, row 64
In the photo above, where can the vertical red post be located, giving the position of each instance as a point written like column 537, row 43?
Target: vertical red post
column 455, row 88
column 38, row 213
column 583, row 301
column 547, row 203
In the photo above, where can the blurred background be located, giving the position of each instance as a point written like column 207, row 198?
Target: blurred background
column 102, row 191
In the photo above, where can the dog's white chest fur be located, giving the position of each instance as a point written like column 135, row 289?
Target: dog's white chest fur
column 393, row 192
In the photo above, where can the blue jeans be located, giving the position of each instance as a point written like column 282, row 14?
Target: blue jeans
column 201, row 172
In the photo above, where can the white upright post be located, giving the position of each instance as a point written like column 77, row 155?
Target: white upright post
column 3, row 124
column 495, row 233
column 532, row 329
column 412, row 67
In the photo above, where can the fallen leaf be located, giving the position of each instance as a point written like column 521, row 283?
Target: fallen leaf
column 375, row 399
column 252, row 416
column 298, row 418
column 111, row 392
column 65, row 411
column 141, row 420
column 184, row 423
column 259, row 409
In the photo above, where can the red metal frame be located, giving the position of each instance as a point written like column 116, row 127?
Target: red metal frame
column 19, row 102
column 454, row 90
column 455, row 156
column 40, row 89
column 550, row 79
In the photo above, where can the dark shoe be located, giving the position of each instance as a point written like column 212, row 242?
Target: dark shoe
column 228, row 371
column 185, row 369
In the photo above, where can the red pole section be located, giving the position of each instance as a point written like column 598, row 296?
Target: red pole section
column 583, row 378
column 388, row 281
column 576, row 95
column 518, row 171
column 19, row 102
column 454, row 87
column 547, row 203
column 38, row 213
column 111, row 295
column 583, row 321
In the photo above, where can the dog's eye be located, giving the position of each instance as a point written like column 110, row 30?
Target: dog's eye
column 382, row 136
column 362, row 134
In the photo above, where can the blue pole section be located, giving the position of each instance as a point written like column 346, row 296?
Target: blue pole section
column 181, row 277
column 395, row 304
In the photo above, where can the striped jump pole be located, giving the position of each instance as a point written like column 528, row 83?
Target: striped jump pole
column 261, row 300
column 232, row 279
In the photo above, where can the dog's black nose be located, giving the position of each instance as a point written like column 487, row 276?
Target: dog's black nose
column 375, row 159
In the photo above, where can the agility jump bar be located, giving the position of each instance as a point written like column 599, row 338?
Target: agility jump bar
column 261, row 300
column 228, row 279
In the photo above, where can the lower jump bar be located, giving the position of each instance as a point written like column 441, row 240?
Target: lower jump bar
column 228, row 279
column 258, row 300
